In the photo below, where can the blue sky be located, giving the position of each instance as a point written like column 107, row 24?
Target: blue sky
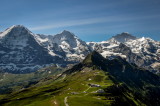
column 90, row 20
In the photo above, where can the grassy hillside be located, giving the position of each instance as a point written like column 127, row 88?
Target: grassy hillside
column 13, row 82
column 77, row 92
column 96, row 81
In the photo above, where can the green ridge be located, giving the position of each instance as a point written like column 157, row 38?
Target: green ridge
column 96, row 81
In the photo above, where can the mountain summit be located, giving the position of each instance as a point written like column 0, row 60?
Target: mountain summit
column 16, row 36
column 15, row 30
column 75, row 48
column 141, row 51
column 22, row 50
column 123, row 37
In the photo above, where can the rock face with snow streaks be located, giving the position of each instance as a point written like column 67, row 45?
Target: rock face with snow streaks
column 21, row 51
column 144, row 52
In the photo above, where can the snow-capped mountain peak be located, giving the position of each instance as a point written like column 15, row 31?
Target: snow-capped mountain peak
column 16, row 36
column 65, row 36
column 22, row 50
column 64, row 44
column 67, row 33
column 72, row 45
column 123, row 37
column 15, row 30
column 141, row 51
column 144, row 45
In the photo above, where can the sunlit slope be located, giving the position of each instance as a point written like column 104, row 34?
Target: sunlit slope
column 96, row 81
column 13, row 82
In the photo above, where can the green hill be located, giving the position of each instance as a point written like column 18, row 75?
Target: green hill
column 13, row 82
column 96, row 81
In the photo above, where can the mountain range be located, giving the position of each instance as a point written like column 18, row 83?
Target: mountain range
column 22, row 51
column 62, row 69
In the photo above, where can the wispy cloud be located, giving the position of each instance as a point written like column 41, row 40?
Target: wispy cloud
column 79, row 22
column 70, row 23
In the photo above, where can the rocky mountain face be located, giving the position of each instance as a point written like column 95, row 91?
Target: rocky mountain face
column 67, row 45
column 123, row 37
column 21, row 51
column 146, row 48
column 141, row 51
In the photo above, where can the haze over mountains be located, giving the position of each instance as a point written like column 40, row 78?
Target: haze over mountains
column 21, row 51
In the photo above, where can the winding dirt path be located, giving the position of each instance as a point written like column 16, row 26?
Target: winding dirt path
column 87, row 89
column 65, row 101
